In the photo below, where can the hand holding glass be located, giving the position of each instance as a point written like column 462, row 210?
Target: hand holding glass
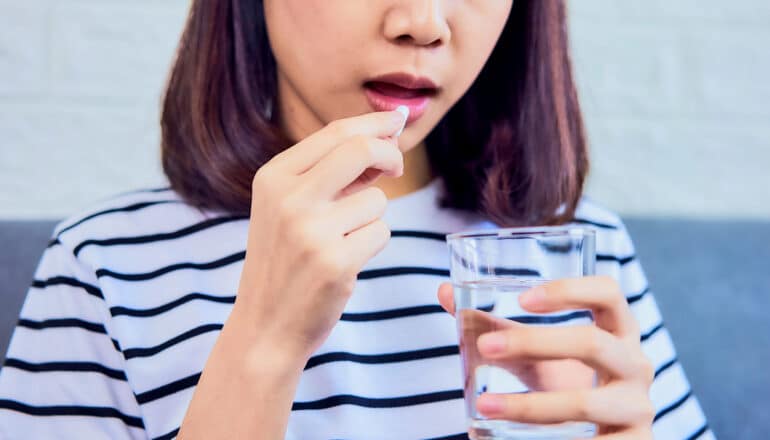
column 489, row 271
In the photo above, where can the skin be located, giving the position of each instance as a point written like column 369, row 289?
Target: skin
column 325, row 196
column 619, row 405
column 446, row 41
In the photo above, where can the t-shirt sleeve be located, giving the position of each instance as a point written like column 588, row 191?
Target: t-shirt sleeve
column 63, row 375
column 678, row 413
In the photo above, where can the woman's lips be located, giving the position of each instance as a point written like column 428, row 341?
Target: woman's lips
column 384, row 96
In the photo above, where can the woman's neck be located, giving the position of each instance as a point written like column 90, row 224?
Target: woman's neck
column 417, row 174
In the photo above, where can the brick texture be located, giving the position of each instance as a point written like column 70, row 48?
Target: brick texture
column 675, row 97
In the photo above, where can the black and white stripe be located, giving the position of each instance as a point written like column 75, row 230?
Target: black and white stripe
column 127, row 315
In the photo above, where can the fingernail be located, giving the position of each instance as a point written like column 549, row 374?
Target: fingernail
column 490, row 404
column 491, row 343
column 404, row 110
column 533, row 296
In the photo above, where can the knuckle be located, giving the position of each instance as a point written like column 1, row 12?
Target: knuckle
column 365, row 146
column 617, row 300
column 647, row 412
column 644, row 410
column 595, row 341
column 586, row 404
column 608, row 290
column 262, row 179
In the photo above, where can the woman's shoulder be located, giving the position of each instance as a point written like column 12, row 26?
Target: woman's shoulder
column 592, row 212
column 611, row 232
column 135, row 213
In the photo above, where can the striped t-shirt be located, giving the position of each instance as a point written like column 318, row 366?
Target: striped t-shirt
column 130, row 295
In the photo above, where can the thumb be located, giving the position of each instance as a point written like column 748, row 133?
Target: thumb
column 446, row 297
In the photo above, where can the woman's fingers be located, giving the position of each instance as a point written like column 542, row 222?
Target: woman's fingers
column 599, row 405
column 308, row 152
column 355, row 211
column 555, row 362
column 349, row 161
column 628, row 434
column 446, row 298
column 587, row 343
column 600, row 294
column 366, row 242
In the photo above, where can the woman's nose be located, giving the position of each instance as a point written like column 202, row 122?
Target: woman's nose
column 419, row 22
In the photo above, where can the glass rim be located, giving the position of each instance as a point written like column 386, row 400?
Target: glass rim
column 525, row 231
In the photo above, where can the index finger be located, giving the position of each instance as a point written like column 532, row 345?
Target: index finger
column 308, row 152
column 600, row 294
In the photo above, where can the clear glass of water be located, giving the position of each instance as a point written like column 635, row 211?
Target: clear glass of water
column 489, row 270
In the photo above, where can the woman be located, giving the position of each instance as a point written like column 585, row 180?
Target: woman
column 285, row 284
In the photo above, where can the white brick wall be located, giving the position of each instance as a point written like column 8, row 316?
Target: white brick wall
column 675, row 93
column 676, row 99
column 80, row 84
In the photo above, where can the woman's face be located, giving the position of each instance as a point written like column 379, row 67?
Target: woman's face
column 330, row 54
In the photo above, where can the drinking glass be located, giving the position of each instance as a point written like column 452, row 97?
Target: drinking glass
column 489, row 269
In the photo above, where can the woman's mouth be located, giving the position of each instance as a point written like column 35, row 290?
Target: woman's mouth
column 388, row 92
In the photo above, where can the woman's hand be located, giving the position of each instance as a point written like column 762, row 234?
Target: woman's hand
column 619, row 405
column 315, row 221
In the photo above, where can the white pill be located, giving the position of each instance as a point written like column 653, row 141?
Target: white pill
column 404, row 110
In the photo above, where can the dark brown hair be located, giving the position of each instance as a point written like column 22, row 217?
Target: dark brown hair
column 512, row 148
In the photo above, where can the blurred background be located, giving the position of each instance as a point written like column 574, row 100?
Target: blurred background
column 675, row 95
